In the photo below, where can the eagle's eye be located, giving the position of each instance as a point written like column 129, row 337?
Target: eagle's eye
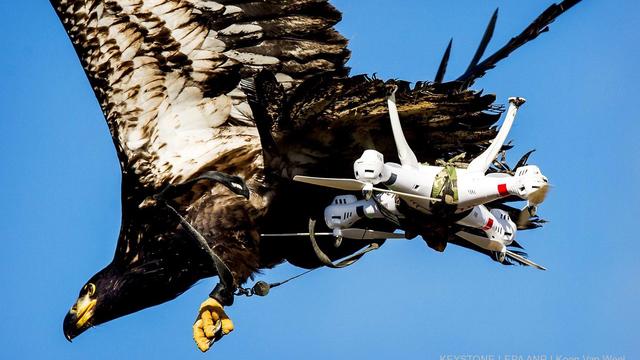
column 90, row 289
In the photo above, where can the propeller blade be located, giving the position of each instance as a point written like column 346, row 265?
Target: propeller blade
column 442, row 69
column 295, row 234
column 351, row 233
column 407, row 195
column 524, row 260
column 483, row 243
column 353, row 185
column 538, row 196
column 527, row 213
column 342, row 184
column 362, row 234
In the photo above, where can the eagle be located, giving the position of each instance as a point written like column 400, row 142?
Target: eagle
column 213, row 108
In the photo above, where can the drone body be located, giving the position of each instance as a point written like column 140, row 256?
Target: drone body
column 439, row 190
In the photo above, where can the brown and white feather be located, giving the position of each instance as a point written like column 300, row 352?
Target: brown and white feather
column 167, row 72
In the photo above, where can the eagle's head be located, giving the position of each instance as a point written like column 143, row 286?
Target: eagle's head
column 119, row 290
column 109, row 294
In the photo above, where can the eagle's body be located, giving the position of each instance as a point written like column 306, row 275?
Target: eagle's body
column 180, row 87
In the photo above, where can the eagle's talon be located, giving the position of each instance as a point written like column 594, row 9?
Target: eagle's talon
column 212, row 324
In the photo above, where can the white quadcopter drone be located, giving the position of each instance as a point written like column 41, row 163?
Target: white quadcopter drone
column 427, row 188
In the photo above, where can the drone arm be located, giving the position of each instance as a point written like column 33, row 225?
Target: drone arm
column 475, row 189
column 481, row 218
column 527, row 184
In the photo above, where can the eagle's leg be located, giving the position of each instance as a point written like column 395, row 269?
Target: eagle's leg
column 211, row 325
column 226, row 222
column 212, row 322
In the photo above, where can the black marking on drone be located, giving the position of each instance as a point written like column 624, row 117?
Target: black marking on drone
column 392, row 179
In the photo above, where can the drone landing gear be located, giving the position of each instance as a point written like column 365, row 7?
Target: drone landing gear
column 326, row 261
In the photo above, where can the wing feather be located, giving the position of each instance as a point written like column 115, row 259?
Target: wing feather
column 166, row 72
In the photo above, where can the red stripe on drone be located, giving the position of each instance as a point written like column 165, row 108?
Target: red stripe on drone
column 489, row 225
column 502, row 190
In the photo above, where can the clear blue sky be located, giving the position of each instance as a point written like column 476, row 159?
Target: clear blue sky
column 60, row 209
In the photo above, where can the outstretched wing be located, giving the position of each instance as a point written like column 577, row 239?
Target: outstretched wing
column 166, row 73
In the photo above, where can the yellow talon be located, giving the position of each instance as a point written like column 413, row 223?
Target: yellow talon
column 211, row 320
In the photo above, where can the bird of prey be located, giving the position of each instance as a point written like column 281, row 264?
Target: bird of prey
column 214, row 106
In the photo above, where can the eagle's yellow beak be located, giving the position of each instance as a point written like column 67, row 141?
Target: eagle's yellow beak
column 77, row 320
column 84, row 310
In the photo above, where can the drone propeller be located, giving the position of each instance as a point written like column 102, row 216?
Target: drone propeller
column 530, row 210
column 537, row 197
column 527, row 213
column 482, row 242
column 365, row 234
column 350, row 233
column 524, row 260
column 354, row 185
